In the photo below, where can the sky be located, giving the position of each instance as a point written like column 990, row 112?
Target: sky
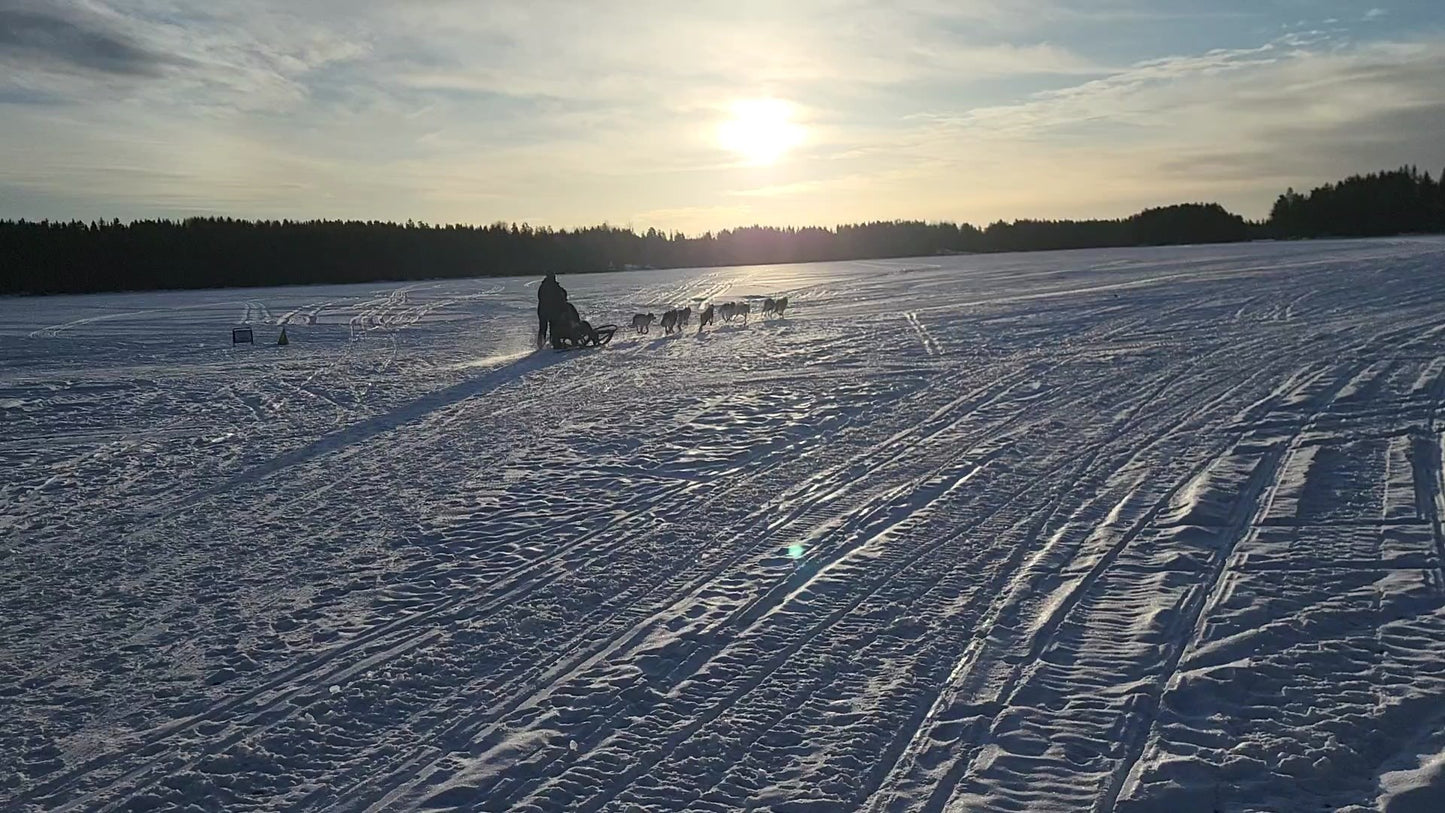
column 705, row 114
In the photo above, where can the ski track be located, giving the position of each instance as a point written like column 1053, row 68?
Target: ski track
column 1115, row 530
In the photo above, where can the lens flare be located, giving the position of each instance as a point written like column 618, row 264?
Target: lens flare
column 795, row 551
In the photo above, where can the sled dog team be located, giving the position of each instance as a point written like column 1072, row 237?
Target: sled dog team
column 676, row 320
column 559, row 321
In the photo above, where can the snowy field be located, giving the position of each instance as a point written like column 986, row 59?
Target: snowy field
column 1151, row 529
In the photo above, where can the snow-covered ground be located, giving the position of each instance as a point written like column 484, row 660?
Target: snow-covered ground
column 1152, row 529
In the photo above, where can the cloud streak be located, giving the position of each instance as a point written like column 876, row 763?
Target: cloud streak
column 57, row 41
column 1231, row 125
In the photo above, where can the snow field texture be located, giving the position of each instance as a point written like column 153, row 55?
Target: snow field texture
column 1134, row 530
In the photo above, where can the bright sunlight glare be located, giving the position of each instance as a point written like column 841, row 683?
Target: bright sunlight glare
column 760, row 130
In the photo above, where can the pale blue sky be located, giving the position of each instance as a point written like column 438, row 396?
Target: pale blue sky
column 571, row 113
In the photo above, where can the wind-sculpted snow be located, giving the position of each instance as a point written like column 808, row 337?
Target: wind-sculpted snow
column 1152, row 529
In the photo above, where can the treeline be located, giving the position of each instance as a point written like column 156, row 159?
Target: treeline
column 73, row 257
column 1404, row 201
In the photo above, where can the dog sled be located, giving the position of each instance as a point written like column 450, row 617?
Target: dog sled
column 581, row 334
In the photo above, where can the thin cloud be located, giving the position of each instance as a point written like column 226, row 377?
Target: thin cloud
column 52, row 41
column 1235, row 125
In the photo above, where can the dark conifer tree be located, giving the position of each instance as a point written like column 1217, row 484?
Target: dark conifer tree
column 76, row 257
column 1381, row 203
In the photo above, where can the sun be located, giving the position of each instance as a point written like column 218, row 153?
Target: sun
column 760, row 130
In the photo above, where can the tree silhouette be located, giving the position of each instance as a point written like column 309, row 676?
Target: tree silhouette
column 76, row 257
column 1401, row 201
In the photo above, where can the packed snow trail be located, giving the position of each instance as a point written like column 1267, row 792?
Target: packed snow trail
column 1150, row 529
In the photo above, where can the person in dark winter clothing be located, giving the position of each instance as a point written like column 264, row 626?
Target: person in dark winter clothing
column 551, row 306
column 571, row 324
column 570, row 330
column 567, row 323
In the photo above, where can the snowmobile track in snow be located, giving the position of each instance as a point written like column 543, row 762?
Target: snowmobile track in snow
column 992, row 532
